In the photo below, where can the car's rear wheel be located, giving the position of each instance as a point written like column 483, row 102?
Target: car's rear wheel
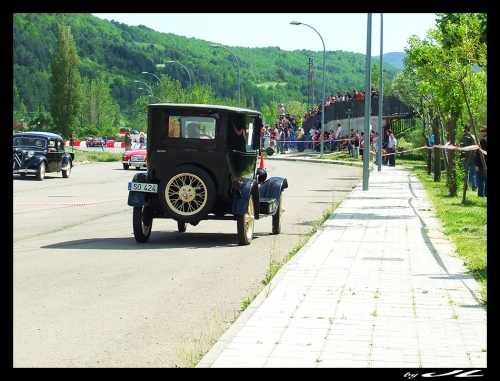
column 40, row 175
column 187, row 193
column 245, row 224
column 66, row 172
column 125, row 166
column 142, row 222
column 181, row 226
column 277, row 216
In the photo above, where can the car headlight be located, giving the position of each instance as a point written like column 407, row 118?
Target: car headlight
column 30, row 154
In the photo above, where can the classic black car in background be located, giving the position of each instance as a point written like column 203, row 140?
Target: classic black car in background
column 38, row 153
column 202, row 164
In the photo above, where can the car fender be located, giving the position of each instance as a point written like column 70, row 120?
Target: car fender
column 137, row 198
column 249, row 189
column 35, row 161
column 67, row 158
column 272, row 187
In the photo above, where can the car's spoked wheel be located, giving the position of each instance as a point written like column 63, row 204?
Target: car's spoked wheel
column 187, row 193
column 277, row 216
column 181, row 226
column 142, row 223
column 66, row 172
column 245, row 223
column 41, row 172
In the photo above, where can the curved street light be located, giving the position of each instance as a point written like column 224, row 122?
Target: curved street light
column 324, row 95
column 149, row 87
column 150, row 93
column 161, row 84
column 189, row 75
column 215, row 46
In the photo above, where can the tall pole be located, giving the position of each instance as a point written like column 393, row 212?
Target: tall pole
column 189, row 75
column 161, row 84
column 324, row 95
column 380, row 97
column 215, row 46
column 366, row 158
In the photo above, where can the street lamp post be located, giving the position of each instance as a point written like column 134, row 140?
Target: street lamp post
column 215, row 46
column 161, row 84
column 150, row 93
column 380, row 96
column 324, row 95
column 189, row 75
column 149, row 87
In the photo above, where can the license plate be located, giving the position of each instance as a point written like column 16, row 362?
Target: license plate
column 143, row 187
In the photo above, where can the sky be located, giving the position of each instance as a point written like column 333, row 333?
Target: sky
column 339, row 31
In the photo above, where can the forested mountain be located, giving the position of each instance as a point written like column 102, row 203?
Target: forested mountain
column 117, row 54
column 395, row 59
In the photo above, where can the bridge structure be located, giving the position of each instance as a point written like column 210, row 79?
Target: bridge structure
column 396, row 115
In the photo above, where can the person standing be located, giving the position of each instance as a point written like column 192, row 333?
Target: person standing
column 481, row 169
column 375, row 146
column 301, row 139
column 142, row 140
column 128, row 142
column 391, row 148
column 468, row 164
column 337, row 138
column 105, row 140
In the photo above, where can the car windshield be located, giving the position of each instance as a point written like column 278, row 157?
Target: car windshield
column 23, row 141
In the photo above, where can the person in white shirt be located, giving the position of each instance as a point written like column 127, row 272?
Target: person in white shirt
column 338, row 137
column 391, row 148
column 136, row 145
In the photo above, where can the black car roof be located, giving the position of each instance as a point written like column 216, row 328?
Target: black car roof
column 39, row 134
column 204, row 106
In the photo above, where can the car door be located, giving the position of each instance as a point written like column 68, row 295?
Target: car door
column 53, row 156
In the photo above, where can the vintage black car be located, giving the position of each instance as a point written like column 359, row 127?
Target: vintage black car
column 204, row 163
column 38, row 153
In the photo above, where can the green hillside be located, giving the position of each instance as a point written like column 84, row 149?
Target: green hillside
column 118, row 54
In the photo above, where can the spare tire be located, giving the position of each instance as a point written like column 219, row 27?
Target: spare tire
column 187, row 193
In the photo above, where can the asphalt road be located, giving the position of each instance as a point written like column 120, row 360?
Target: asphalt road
column 86, row 294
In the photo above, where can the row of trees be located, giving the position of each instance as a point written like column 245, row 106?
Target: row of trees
column 444, row 78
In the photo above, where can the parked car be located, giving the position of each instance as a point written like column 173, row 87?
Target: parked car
column 135, row 158
column 38, row 153
column 204, row 163
column 95, row 142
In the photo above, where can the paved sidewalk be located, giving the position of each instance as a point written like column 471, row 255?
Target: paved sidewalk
column 377, row 286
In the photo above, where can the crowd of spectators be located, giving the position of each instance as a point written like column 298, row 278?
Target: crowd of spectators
column 340, row 97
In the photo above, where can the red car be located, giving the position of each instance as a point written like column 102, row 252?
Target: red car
column 135, row 158
column 95, row 142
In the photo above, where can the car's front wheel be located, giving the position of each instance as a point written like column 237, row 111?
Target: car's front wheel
column 40, row 175
column 66, row 172
column 187, row 193
column 125, row 166
column 142, row 222
column 245, row 223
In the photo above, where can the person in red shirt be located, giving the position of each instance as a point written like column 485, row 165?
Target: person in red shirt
column 272, row 135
